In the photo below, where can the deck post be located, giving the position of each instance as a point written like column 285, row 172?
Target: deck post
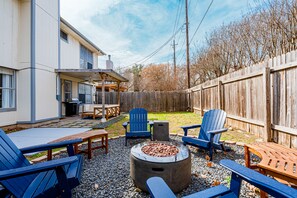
column 103, row 119
column 267, row 106
column 118, row 88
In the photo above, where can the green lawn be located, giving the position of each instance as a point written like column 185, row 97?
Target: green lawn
column 177, row 119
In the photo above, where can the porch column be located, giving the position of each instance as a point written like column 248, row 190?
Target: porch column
column 118, row 87
column 103, row 98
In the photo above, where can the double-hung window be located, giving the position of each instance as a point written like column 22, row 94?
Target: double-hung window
column 86, row 58
column 85, row 93
column 68, row 90
column 7, row 89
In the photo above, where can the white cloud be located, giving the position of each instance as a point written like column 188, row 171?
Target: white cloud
column 129, row 30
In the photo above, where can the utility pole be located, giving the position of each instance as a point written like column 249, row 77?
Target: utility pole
column 187, row 44
column 174, row 58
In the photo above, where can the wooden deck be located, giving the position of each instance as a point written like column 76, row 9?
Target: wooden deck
column 95, row 110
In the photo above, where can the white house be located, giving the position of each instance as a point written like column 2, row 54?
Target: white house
column 44, row 61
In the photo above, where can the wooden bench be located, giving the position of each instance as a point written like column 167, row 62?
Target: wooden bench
column 277, row 161
column 87, row 136
column 95, row 110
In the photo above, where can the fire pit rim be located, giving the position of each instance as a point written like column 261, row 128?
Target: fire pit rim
column 180, row 156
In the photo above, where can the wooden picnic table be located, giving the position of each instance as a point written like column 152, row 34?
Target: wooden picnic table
column 95, row 110
column 277, row 161
column 88, row 136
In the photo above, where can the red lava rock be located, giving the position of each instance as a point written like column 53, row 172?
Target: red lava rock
column 160, row 150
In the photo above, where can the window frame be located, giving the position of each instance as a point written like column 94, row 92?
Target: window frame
column 14, row 92
column 62, row 38
column 85, row 94
column 68, row 92
column 85, row 56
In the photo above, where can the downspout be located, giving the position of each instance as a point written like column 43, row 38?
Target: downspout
column 33, row 66
column 59, row 82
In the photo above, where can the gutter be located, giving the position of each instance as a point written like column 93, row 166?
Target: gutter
column 33, row 62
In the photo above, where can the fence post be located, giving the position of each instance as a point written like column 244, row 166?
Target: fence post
column 220, row 95
column 267, row 105
column 201, row 101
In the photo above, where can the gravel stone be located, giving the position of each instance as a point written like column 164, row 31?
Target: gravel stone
column 108, row 175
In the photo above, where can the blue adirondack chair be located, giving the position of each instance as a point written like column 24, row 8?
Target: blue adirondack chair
column 138, row 125
column 159, row 189
column 47, row 179
column 210, row 131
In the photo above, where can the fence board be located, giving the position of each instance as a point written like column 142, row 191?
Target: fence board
column 245, row 101
column 152, row 101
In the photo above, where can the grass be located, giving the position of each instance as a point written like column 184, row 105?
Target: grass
column 177, row 119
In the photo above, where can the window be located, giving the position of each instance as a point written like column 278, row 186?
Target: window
column 68, row 90
column 7, row 89
column 86, row 58
column 85, row 93
column 63, row 36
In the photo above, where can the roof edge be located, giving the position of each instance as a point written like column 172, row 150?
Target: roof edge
column 81, row 35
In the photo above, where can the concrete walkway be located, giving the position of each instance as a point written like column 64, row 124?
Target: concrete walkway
column 35, row 136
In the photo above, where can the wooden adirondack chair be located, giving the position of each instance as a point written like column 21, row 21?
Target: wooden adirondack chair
column 48, row 179
column 138, row 125
column 210, row 131
column 159, row 189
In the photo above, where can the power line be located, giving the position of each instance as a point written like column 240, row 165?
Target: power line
column 177, row 17
column 180, row 60
column 156, row 51
column 202, row 20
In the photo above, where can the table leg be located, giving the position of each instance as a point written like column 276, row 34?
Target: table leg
column 89, row 148
column 106, row 144
column 49, row 155
column 263, row 194
column 75, row 148
column 247, row 156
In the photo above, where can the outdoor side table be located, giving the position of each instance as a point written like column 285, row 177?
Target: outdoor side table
column 276, row 160
column 87, row 136
column 161, row 130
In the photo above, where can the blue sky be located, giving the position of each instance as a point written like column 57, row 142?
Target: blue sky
column 130, row 30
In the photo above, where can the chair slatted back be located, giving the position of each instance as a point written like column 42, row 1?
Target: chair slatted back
column 212, row 120
column 11, row 157
column 138, row 120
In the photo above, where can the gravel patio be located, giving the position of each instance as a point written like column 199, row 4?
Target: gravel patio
column 107, row 175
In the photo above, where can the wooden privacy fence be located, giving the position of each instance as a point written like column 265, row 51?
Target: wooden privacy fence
column 170, row 101
column 261, row 99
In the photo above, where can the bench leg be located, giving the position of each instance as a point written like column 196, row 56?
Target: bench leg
column 89, row 148
column 49, row 155
column 106, row 144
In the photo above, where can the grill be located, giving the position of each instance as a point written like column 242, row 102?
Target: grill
column 72, row 108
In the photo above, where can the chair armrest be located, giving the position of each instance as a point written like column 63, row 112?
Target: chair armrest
column 36, row 168
column 267, row 184
column 218, row 131
column 186, row 128
column 44, row 147
column 158, row 188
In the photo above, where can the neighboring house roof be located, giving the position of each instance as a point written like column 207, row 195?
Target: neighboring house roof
column 63, row 21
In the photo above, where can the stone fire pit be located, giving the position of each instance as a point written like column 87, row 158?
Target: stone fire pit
column 168, row 160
